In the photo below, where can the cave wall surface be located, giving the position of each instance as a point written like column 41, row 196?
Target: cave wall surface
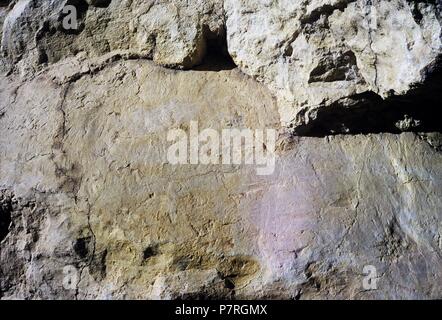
column 91, row 208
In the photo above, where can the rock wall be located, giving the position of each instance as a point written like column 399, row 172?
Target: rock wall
column 311, row 54
column 91, row 208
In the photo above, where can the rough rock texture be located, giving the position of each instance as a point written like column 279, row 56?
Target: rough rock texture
column 312, row 54
column 90, row 207
column 86, row 183
column 172, row 33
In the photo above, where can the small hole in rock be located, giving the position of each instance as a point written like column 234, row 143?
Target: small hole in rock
column 229, row 284
column 217, row 57
column 288, row 52
column 42, row 57
column 81, row 247
column 150, row 252
column 101, row 3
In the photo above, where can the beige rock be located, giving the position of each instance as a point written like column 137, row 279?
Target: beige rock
column 98, row 212
column 311, row 54
column 172, row 33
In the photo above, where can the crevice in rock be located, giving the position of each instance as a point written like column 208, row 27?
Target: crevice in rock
column 94, row 67
column 5, row 215
column 417, row 14
column 101, row 3
column 342, row 68
column 91, row 252
column 82, row 247
column 4, row 3
column 61, row 132
column 326, row 10
column 98, row 266
column 69, row 173
column 368, row 16
column 367, row 113
column 216, row 57
column 150, row 252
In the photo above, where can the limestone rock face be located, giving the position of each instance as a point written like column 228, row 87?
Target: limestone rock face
column 172, row 33
column 314, row 53
column 96, row 210
column 92, row 208
column 2, row 19
column 311, row 54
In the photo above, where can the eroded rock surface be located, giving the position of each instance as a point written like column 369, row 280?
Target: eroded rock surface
column 96, row 211
column 317, row 57
column 172, row 33
column 315, row 53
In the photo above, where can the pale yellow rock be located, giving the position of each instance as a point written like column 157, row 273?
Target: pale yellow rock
column 311, row 54
column 95, row 200
column 315, row 53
